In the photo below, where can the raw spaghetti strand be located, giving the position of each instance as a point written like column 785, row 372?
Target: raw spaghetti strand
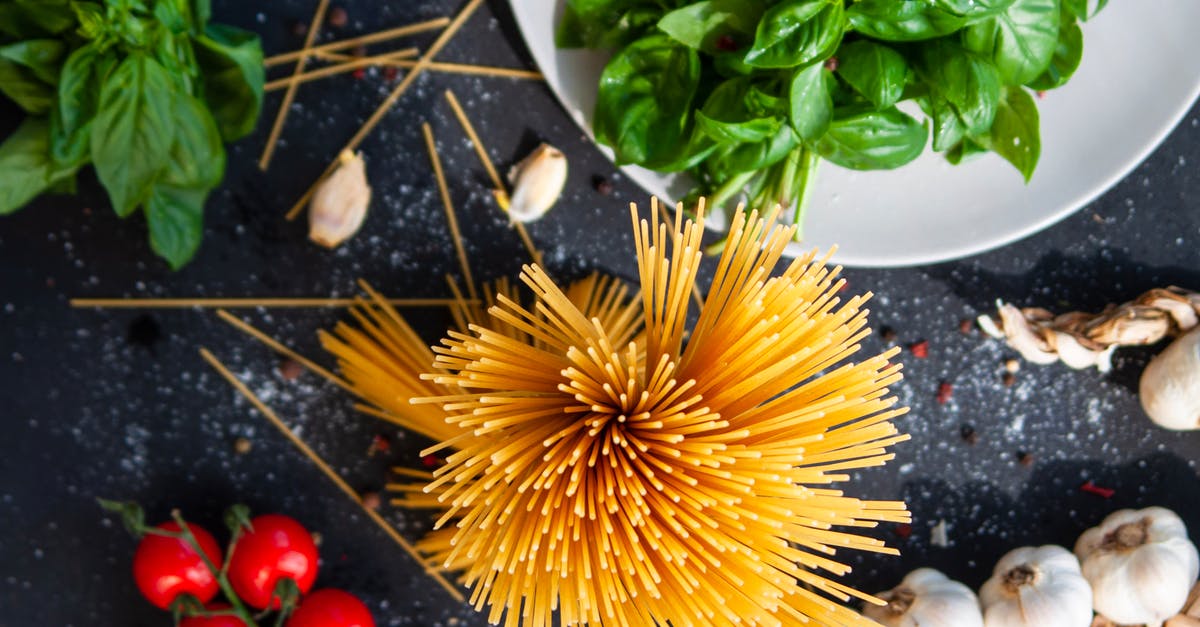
column 329, row 472
column 273, row 138
column 448, row 205
column 392, row 33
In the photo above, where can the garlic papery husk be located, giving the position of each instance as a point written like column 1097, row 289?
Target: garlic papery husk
column 1037, row 587
column 927, row 598
column 1170, row 384
column 1140, row 564
column 339, row 204
column 538, row 181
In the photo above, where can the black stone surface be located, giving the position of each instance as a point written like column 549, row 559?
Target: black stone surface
column 118, row 404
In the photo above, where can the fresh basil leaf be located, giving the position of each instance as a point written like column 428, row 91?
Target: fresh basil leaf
column 1015, row 134
column 726, row 116
column 1084, row 10
column 706, row 25
column 43, row 57
column 865, row 139
column 809, row 101
column 1067, row 55
column 612, row 25
column 26, row 168
column 797, row 32
column 644, row 103
column 173, row 14
column 197, row 157
column 133, row 131
column 33, row 19
column 970, row 83
column 752, row 157
column 948, row 128
column 964, row 150
column 78, row 99
column 93, row 24
column 902, row 20
column 1020, row 41
column 231, row 61
column 23, row 87
column 698, row 148
column 973, row 8
column 175, row 217
column 201, row 14
column 874, row 70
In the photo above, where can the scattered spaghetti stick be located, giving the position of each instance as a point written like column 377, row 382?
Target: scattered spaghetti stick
column 247, row 303
column 452, row 68
column 341, row 68
column 325, row 468
column 392, row 33
column 280, row 348
column 443, row 39
column 449, row 206
column 491, row 170
column 290, row 94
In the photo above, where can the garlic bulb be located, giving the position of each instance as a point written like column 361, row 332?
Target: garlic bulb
column 1037, row 587
column 927, row 598
column 1141, row 565
column 1170, row 385
column 537, row 180
column 339, row 204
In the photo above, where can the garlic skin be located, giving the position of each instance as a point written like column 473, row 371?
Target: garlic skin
column 927, row 598
column 1170, row 384
column 1037, row 587
column 538, row 181
column 1140, row 564
column 339, row 204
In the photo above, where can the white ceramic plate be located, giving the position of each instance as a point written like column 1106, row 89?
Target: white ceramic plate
column 1139, row 76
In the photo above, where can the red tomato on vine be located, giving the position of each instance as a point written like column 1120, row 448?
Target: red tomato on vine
column 165, row 567
column 331, row 608
column 277, row 548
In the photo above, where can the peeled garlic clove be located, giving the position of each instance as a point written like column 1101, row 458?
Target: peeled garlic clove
column 927, row 598
column 537, row 180
column 339, row 204
column 1037, row 587
column 1141, row 565
column 1170, row 385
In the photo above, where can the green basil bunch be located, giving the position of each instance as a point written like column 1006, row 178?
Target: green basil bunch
column 147, row 91
column 749, row 95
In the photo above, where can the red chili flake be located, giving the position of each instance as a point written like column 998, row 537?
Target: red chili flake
column 390, row 73
column 431, row 461
column 1040, row 94
column 965, row 326
column 920, row 350
column 360, row 73
column 904, row 531
column 379, row 444
column 1092, row 488
column 831, row 64
column 290, row 369
column 727, row 43
column 944, row 392
column 845, row 286
column 372, row 501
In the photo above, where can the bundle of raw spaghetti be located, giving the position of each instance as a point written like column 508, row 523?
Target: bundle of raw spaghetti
column 602, row 463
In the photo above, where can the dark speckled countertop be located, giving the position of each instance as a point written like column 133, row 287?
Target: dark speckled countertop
column 118, row 404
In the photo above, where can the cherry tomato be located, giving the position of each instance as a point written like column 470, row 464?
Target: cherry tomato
column 278, row 548
column 331, row 608
column 213, row 621
column 165, row 568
